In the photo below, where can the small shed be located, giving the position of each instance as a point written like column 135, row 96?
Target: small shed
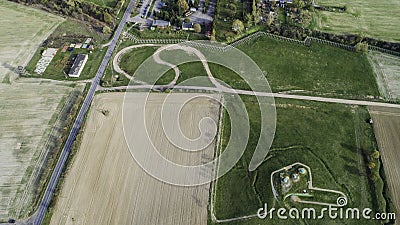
column 161, row 24
column 187, row 26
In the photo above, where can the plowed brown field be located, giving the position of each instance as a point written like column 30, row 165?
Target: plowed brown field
column 387, row 132
column 106, row 186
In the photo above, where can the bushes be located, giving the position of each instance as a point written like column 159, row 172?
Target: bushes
column 77, row 8
column 107, row 18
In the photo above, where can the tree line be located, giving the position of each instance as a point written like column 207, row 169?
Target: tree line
column 78, row 9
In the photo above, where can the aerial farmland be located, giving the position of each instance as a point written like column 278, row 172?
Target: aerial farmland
column 18, row 45
column 203, row 112
column 105, row 185
column 368, row 17
column 387, row 127
column 30, row 109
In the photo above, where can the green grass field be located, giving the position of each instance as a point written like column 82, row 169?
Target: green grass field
column 132, row 60
column 107, row 3
column 317, row 70
column 330, row 138
column 378, row 19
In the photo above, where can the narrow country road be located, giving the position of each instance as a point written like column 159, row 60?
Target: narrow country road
column 253, row 93
column 38, row 217
column 218, row 87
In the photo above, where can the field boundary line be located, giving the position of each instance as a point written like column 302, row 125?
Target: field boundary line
column 245, row 40
column 380, row 77
column 218, row 151
column 43, row 156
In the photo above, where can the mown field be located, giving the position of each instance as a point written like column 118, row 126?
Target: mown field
column 316, row 70
column 29, row 113
column 31, row 118
column 330, row 138
column 378, row 19
column 18, row 43
column 132, row 60
column 387, row 70
column 108, row 3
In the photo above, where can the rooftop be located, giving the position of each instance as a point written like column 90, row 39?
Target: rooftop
column 78, row 65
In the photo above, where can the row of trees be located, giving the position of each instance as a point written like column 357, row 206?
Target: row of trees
column 77, row 8
column 301, row 33
column 175, row 7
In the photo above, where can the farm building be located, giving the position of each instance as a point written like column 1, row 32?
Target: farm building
column 88, row 41
column 78, row 65
column 161, row 24
column 187, row 26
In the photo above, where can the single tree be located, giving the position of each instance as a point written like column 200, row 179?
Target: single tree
column 197, row 28
column 183, row 6
column 362, row 47
column 237, row 26
column 107, row 17
column 375, row 154
column 270, row 19
column 256, row 12
column 106, row 30
column 299, row 3
column 248, row 18
column 213, row 33
column 371, row 165
column 374, row 177
column 179, row 23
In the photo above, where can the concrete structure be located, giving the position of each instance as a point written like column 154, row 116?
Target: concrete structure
column 44, row 62
column 161, row 24
column 78, row 65
column 88, row 41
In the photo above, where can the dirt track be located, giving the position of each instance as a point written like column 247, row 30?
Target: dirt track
column 105, row 185
column 387, row 132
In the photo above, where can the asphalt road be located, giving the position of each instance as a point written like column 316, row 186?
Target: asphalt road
column 253, row 93
column 38, row 217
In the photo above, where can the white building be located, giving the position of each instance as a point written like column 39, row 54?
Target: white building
column 78, row 65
